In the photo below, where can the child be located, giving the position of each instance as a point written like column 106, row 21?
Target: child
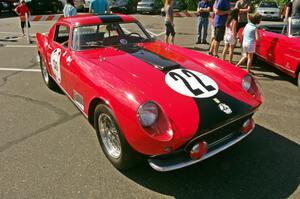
column 21, row 10
column 249, row 40
column 69, row 9
column 230, row 34
column 169, row 21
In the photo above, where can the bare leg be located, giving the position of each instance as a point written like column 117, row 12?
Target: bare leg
column 211, row 48
column 231, row 50
column 172, row 39
column 167, row 39
column 243, row 59
column 249, row 61
column 225, row 51
column 216, row 48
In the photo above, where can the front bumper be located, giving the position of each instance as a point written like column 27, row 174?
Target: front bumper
column 218, row 140
column 270, row 16
column 144, row 9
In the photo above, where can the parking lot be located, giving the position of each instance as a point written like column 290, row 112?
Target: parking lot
column 49, row 150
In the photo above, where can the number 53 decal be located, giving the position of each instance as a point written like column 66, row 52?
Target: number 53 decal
column 191, row 83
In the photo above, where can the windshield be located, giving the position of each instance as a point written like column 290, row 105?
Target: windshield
column 268, row 5
column 295, row 26
column 97, row 36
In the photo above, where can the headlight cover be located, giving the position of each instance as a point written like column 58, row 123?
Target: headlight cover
column 247, row 81
column 148, row 114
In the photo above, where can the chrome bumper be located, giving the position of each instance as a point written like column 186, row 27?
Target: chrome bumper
column 182, row 160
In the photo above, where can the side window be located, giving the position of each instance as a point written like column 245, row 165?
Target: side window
column 62, row 35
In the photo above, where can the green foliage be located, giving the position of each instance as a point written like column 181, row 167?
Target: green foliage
column 191, row 4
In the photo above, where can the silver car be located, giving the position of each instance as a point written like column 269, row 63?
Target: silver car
column 269, row 10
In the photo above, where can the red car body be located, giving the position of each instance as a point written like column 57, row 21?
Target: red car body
column 123, row 78
column 278, row 48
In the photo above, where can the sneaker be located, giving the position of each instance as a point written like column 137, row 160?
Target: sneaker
column 198, row 42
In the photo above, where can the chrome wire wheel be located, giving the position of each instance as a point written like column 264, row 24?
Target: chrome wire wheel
column 109, row 135
column 44, row 70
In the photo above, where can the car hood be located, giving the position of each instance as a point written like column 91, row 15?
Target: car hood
column 268, row 9
column 146, row 68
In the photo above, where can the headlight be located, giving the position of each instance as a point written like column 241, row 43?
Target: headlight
column 252, row 86
column 148, row 114
column 247, row 81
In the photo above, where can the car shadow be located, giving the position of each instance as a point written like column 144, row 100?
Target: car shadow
column 264, row 165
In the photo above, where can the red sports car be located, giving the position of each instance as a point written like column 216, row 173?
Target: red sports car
column 279, row 45
column 146, row 98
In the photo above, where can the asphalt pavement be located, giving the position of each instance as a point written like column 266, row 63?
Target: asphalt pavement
column 49, row 150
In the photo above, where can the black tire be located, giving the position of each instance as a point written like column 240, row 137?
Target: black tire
column 127, row 157
column 50, row 83
column 298, row 80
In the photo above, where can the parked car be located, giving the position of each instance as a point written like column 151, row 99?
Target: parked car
column 280, row 46
column 5, row 6
column 179, row 5
column 269, row 10
column 146, row 98
column 149, row 6
column 123, row 6
column 42, row 5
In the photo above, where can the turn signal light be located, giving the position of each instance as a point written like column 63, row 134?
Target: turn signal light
column 198, row 150
column 248, row 126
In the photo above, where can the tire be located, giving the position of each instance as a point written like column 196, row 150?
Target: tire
column 50, row 83
column 112, row 140
column 298, row 80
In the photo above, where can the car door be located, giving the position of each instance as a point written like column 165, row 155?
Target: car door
column 57, row 53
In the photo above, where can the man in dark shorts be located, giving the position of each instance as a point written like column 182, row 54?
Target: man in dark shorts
column 21, row 10
column 222, row 9
column 244, row 9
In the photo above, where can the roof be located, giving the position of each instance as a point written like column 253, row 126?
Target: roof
column 87, row 19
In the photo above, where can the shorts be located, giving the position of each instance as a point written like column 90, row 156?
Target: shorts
column 229, row 39
column 23, row 24
column 249, row 48
column 219, row 33
column 169, row 29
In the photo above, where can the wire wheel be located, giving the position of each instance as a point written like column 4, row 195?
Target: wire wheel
column 109, row 135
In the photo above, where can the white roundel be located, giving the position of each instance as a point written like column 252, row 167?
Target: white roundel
column 191, row 83
column 55, row 63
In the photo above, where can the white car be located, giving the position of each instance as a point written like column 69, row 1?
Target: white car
column 269, row 10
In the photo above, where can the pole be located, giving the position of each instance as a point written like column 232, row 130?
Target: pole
column 27, row 28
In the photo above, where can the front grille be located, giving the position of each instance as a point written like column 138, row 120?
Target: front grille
column 217, row 137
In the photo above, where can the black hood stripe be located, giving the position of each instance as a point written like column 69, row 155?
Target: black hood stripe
column 110, row 18
column 209, row 111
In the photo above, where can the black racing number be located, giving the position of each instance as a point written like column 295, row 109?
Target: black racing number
column 197, row 91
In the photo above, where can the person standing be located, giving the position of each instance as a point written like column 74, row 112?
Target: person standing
column 69, row 9
column 203, row 9
column 244, row 7
column 22, row 10
column 222, row 9
column 249, row 40
column 169, row 21
column 293, row 9
column 230, row 34
column 99, row 7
